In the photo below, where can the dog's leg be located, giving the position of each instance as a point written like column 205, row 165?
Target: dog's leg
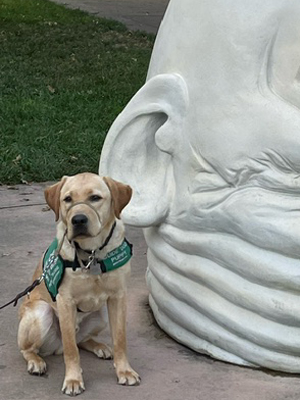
column 88, row 335
column 36, row 321
column 117, row 319
column 73, row 382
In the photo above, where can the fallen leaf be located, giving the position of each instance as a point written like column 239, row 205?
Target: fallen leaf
column 17, row 159
column 51, row 89
column 46, row 208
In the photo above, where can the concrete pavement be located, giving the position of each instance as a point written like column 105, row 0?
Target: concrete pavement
column 142, row 15
column 169, row 371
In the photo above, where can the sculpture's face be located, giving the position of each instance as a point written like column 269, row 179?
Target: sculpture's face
column 211, row 145
column 233, row 120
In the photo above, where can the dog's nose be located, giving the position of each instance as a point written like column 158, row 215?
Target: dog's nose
column 79, row 219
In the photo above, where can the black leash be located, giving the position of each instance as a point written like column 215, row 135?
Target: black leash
column 26, row 291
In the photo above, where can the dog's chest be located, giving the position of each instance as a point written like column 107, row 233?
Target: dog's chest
column 92, row 303
column 90, row 292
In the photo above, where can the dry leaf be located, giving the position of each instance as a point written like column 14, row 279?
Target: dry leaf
column 17, row 159
column 51, row 89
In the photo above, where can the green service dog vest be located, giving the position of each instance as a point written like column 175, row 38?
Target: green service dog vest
column 54, row 265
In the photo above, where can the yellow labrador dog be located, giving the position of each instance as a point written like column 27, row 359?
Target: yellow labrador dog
column 86, row 268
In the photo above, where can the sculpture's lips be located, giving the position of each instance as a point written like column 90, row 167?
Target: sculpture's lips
column 259, row 266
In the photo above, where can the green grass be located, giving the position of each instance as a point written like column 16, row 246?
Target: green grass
column 64, row 77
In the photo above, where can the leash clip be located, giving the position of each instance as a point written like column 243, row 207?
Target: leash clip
column 91, row 260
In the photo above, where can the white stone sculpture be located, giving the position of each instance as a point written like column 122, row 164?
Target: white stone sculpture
column 211, row 147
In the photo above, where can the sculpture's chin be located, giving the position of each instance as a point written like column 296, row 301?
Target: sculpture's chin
column 225, row 297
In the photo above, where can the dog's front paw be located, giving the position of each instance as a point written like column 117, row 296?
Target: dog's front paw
column 128, row 377
column 37, row 366
column 73, row 387
column 103, row 351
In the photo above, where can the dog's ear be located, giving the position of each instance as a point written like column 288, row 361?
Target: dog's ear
column 120, row 194
column 52, row 196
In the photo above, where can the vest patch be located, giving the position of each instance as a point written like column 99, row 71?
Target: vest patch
column 118, row 257
column 53, row 269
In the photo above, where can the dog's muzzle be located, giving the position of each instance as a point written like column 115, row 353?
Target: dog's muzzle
column 80, row 224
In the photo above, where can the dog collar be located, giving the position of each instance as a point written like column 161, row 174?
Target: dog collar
column 54, row 265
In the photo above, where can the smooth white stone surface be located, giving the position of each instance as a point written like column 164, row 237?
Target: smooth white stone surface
column 211, row 146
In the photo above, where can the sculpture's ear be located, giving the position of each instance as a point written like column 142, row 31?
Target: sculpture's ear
column 141, row 143
column 52, row 195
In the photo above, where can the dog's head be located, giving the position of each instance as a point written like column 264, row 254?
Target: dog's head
column 86, row 203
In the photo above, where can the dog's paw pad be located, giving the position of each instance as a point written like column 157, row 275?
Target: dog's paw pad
column 73, row 387
column 129, row 378
column 103, row 351
column 37, row 367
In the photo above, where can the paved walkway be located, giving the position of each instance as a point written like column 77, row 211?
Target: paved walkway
column 169, row 371
column 142, row 15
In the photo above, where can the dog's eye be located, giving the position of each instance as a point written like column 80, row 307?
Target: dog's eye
column 95, row 197
column 68, row 199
